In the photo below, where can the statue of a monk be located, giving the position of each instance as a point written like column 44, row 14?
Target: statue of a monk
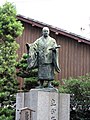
column 45, row 56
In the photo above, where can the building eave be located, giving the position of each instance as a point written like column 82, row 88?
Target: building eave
column 53, row 29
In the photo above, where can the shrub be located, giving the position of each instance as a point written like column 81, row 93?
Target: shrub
column 10, row 28
column 79, row 89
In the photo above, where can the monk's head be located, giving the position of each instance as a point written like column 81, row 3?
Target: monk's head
column 45, row 32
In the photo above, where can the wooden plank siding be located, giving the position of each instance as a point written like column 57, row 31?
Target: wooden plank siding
column 74, row 56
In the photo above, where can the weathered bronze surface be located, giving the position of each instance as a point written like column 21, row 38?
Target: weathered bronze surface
column 43, row 54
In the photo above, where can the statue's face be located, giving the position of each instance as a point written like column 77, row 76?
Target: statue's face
column 45, row 32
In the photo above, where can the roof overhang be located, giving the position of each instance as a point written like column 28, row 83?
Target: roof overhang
column 56, row 30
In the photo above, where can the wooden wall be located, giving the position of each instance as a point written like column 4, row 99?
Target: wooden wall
column 74, row 56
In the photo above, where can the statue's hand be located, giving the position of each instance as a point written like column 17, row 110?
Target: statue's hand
column 27, row 46
column 54, row 48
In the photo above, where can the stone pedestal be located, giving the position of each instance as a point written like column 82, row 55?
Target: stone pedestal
column 47, row 105
column 19, row 104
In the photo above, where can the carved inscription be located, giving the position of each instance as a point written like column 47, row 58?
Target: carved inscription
column 53, row 109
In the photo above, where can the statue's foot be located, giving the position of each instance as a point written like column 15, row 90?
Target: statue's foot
column 39, row 87
column 50, row 86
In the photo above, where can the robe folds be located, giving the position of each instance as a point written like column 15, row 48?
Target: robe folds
column 47, row 57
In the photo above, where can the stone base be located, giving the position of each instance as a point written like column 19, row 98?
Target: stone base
column 47, row 105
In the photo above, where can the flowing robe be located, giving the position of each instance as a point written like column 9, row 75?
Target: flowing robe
column 45, row 58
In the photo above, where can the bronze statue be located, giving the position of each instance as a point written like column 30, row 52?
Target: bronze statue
column 44, row 55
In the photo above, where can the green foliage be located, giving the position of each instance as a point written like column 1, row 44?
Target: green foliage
column 7, row 113
column 23, row 70
column 30, row 83
column 29, row 75
column 79, row 89
column 55, row 83
column 10, row 28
